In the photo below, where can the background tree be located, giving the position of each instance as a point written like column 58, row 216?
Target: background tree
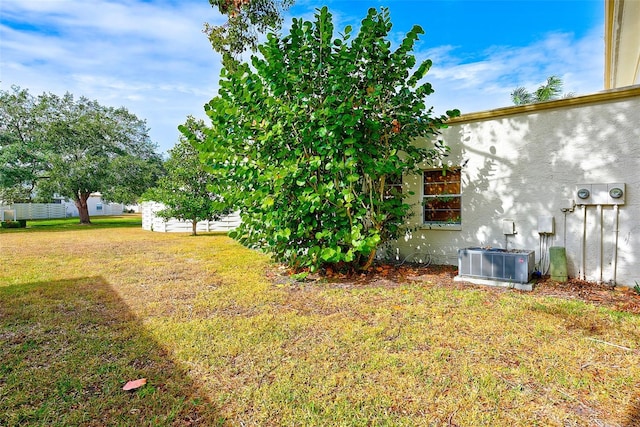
column 188, row 191
column 22, row 153
column 550, row 90
column 314, row 131
column 246, row 19
column 81, row 147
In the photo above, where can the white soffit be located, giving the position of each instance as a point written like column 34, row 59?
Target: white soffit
column 624, row 35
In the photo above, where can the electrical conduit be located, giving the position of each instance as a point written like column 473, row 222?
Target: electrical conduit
column 616, row 213
column 584, row 241
column 601, row 244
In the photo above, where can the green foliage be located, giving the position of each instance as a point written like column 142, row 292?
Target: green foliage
column 22, row 223
column 246, row 18
column 520, row 96
column 314, row 131
column 60, row 145
column 188, row 191
column 22, row 146
column 549, row 91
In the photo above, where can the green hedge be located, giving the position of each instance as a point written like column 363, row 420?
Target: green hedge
column 21, row 223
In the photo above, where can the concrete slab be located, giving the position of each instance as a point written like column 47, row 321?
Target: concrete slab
column 498, row 283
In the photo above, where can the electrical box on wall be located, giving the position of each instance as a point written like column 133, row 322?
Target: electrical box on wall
column 567, row 205
column 617, row 193
column 600, row 194
column 546, row 225
column 583, row 194
column 508, row 227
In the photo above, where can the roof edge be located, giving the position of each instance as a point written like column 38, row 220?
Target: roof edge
column 610, row 50
column 599, row 97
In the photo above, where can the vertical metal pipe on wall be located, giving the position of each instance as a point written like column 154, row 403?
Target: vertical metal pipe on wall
column 564, row 229
column 600, row 244
column 616, row 224
column 584, row 241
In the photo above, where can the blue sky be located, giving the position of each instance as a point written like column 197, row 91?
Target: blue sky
column 152, row 57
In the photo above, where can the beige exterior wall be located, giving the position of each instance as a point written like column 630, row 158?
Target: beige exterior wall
column 523, row 163
column 622, row 43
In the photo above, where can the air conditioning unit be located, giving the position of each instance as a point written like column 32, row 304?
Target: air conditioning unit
column 497, row 264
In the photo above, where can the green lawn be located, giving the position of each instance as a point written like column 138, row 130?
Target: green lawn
column 61, row 224
column 85, row 309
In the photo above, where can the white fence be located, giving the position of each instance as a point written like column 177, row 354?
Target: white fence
column 152, row 222
column 32, row 211
column 104, row 209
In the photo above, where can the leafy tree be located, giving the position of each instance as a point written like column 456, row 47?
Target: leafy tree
column 314, row 131
column 246, row 18
column 188, row 191
column 520, row 96
column 80, row 147
column 548, row 91
column 22, row 154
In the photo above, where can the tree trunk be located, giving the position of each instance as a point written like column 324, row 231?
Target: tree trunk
column 370, row 259
column 83, row 209
column 194, row 225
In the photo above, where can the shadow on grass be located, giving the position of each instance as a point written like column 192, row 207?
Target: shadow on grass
column 68, row 347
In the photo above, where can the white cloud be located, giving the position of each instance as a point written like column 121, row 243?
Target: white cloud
column 149, row 57
column 486, row 82
column 153, row 58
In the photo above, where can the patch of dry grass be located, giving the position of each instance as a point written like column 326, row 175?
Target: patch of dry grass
column 219, row 342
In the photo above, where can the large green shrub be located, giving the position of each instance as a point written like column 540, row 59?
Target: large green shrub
column 313, row 132
column 21, row 223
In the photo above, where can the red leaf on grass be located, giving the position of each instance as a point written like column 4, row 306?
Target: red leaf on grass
column 132, row 385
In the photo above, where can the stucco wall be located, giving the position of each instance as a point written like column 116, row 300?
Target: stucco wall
column 523, row 164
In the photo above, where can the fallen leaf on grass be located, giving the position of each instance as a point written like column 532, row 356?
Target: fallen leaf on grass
column 132, row 385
